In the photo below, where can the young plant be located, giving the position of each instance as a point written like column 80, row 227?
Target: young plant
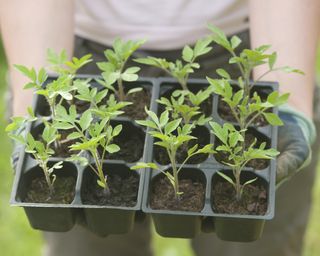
column 186, row 105
column 232, row 143
column 90, row 135
column 171, row 135
column 181, row 69
column 59, row 89
column 247, row 60
column 245, row 106
column 114, row 69
column 40, row 149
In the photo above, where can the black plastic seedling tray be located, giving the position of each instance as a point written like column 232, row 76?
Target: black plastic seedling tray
column 231, row 227
column 102, row 220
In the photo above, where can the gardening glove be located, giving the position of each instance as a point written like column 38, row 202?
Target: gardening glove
column 295, row 138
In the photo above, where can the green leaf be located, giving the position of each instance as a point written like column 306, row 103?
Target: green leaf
column 85, row 120
column 219, row 37
column 249, row 182
column 66, row 95
column 227, row 178
column 235, row 42
column 153, row 116
column 272, row 60
column 273, row 119
column 63, row 126
column 221, row 72
column 172, row 126
column 164, row 118
column 201, row 47
column 74, row 135
column 142, row 165
column 207, row 149
column 192, row 150
column 112, row 148
column 147, row 123
column 116, row 130
column 219, row 132
column 134, row 90
column 187, row 53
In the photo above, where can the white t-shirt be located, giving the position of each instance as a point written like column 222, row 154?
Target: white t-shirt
column 165, row 24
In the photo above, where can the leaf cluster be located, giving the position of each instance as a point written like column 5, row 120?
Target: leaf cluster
column 181, row 69
column 186, row 105
column 113, row 70
column 245, row 108
column 171, row 135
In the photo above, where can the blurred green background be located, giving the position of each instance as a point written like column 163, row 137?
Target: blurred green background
column 17, row 238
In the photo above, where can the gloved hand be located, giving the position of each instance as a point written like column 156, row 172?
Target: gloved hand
column 295, row 138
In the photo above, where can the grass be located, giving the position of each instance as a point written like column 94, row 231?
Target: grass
column 17, row 238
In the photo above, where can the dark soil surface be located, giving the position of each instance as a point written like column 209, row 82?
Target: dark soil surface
column 205, row 107
column 254, row 199
column 64, row 191
column 161, row 156
column 163, row 195
column 123, row 192
column 257, row 164
column 136, row 110
column 131, row 147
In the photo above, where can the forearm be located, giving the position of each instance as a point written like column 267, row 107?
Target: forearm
column 28, row 29
column 291, row 27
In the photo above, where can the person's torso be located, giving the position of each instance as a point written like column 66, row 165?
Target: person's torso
column 166, row 24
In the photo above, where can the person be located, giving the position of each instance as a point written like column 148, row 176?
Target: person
column 291, row 26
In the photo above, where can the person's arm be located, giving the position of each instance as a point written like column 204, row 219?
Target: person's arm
column 291, row 27
column 28, row 29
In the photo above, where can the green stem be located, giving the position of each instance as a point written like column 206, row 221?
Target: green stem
column 100, row 171
column 175, row 174
column 238, row 184
column 121, row 90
